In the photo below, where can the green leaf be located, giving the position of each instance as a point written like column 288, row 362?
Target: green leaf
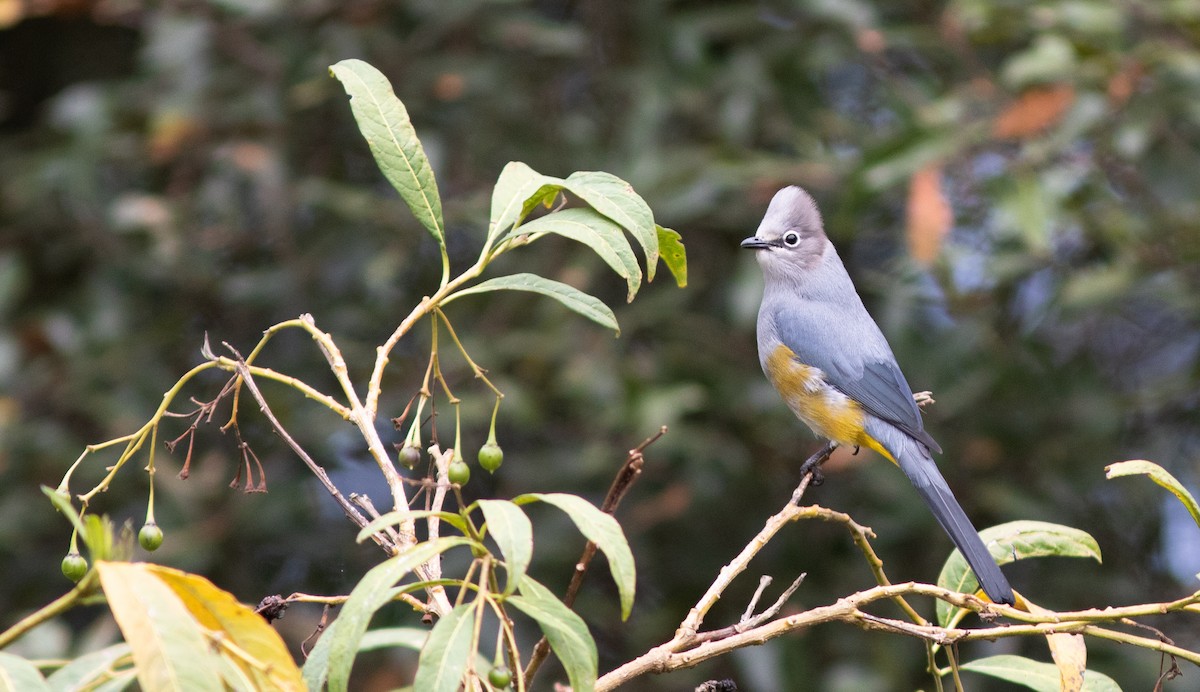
column 674, row 255
column 615, row 198
column 169, row 648
column 1015, row 540
column 384, row 123
column 98, row 536
column 601, row 529
column 395, row 517
column 390, row 637
column 447, row 652
column 117, row 682
column 588, row 306
column 510, row 528
column 567, row 633
column 597, row 232
column 1159, row 475
column 518, row 190
column 334, row 653
column 90, row 669
column 1035, row 675
column 18, row 675
column 406, row 638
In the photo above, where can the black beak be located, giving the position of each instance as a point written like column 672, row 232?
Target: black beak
column 756, row 243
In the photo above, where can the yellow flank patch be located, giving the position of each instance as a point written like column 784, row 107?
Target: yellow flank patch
column 827, row 411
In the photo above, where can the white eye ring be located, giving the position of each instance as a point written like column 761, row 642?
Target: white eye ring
column 791, row 239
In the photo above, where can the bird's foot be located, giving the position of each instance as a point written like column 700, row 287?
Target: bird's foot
column 812, row 465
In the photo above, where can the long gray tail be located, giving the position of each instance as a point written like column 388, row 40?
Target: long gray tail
column 918, row 465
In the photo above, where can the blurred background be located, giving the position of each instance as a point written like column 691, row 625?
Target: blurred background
column 1013, row 186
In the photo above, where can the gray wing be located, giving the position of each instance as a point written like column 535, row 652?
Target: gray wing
column 856, row 360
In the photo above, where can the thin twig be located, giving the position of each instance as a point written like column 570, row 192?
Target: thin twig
column 364, row 501
column 691, row 624
column 763, row 582
column 317, row 470
column 629, row 472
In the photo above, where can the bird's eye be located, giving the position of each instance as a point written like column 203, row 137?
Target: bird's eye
column 791, row 239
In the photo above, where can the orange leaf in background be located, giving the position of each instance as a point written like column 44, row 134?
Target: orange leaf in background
column 1122, row 85
column 1033, row 111
column 929, row 215
column 870, row 41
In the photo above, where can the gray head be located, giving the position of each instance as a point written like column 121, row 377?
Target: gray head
column 791, row 238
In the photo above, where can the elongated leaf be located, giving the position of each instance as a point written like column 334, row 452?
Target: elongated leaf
column 447, row 652
column 512, row 531
column 597, row 232
column 218, row 611
column 601, row 529
column 395, row 517
column 406, row 638
column 334, row 653
column 674, row 255
column 1159, row 475
column 390, row 637
column 567, row 633
column 119, row 682
column 1036, row 675
column 169, row 648
column 518, row 190
column 1016, row 540
column 383, row 121
column 18, row 675
column 1070, row 657
column 615, row 198
column 89, row 669
column 588, row 306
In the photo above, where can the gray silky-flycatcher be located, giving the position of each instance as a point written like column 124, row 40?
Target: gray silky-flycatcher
column 827, row 358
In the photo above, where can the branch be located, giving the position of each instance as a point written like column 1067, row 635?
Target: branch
column 690, row 646
column 626, row 475
column 427, row 305
column 676, row 654
column 349, row 509
column 691, row 624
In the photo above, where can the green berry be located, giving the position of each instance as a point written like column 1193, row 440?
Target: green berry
column 459, row 472
column 410, row 456
column 74, row 566
column 500, row 677
column 150, row 537
column 490, row 457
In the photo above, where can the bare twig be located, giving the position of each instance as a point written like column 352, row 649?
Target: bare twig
column 748, row 620
column 677, row 654
column 691, row 624
column 364, row 501
column 441, row 462
column 763, row 582
column 622, row 482
column 317, row 470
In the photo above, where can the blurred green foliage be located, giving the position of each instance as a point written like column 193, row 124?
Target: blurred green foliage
column 174, row 169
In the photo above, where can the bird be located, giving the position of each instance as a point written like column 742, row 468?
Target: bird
column 832, row 366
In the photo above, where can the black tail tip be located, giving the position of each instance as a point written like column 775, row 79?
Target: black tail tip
column 1000, row 592
column 1003, row 600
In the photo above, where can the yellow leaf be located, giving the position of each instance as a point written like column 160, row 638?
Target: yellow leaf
column 1069, row 652
column 257, row 650
column 186, row 634
column 169, row 648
